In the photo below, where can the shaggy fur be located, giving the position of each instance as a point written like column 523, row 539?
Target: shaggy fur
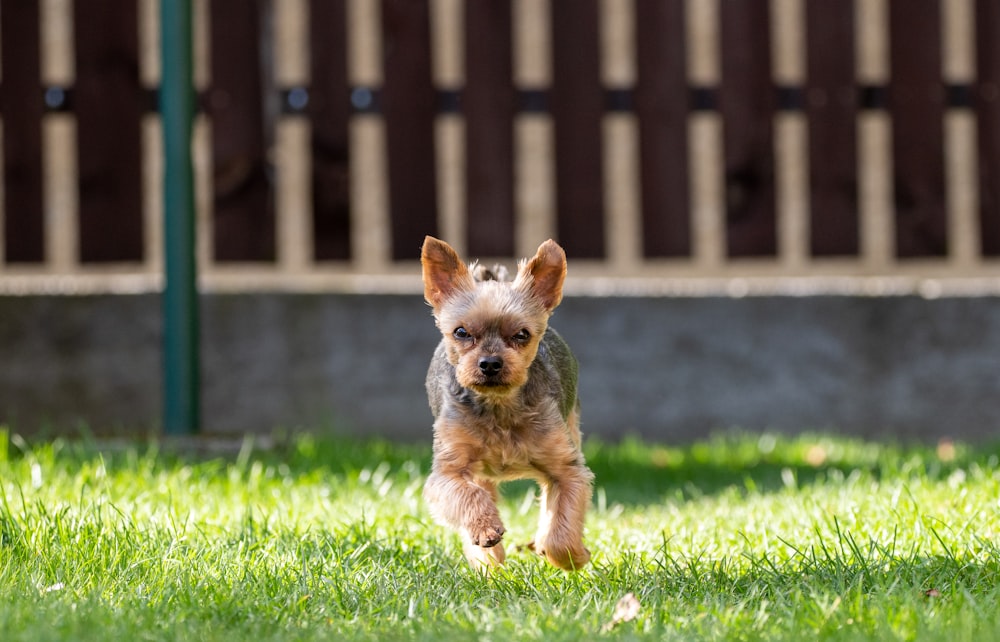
column 502, row 387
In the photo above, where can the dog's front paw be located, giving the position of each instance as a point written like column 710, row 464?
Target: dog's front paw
column 486, row 532
column 568, row 558
column 484, row 559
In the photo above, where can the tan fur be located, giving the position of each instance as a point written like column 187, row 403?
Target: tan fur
column 499, row 414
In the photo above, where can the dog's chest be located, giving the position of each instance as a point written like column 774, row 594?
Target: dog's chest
column 506, row 456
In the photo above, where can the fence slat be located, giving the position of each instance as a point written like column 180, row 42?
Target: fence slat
column 329, row 113
column 577, row 111
column 831, row 109
column 661, row 105
column 488, row 105
column 109, row 103
column 243, row 221
column 746, row 101
column 916, row 105
column 21, row 107
column 409, row 107
column 988, row 115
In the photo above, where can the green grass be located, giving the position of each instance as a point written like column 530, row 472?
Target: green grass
column 741, row 537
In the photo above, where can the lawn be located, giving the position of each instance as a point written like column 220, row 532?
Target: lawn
column 741, row 537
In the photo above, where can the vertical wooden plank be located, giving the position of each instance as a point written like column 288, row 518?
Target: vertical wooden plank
column 61, row 193
column 109, row 103
column 243, row 225
column 661, row 104
column 621, row 163
column 21, row 108
column 871, row 28
column 488, row 104
column 534, row 144
column 789, row 72
column 916, row 105
column 708, row 205
column 831, row 110
column 371, row 229
column 409, row 107
column 153, row 165
column 329, row 112
column 960, row 170
column 289, row 51
column 746, row 102
column 988, row 122
column 293, row 202
column 705, row 137
column 578, row 109
column 448, row 52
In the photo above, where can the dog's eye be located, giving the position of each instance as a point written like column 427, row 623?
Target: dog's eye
column 461, row 333
column 522, row 336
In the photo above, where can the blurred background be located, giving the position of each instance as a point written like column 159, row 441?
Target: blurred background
column 779, row 214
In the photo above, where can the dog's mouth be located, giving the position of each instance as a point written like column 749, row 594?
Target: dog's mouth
column 492, row 387
column 491, row 384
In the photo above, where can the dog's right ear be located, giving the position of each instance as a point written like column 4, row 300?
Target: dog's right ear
column 543, row 274
column 444, row 272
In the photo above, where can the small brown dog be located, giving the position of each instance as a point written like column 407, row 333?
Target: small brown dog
column 502, row 387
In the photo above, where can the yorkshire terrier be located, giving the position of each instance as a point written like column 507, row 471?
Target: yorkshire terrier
column 502, row 388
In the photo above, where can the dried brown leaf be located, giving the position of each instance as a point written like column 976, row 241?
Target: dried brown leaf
column 625, row 611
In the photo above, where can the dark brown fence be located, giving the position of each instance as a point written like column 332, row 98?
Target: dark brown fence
column 672, row 136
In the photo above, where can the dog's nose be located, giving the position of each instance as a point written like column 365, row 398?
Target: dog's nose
column 491, row 366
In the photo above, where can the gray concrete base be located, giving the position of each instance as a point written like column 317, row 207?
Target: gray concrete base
column 666, row 368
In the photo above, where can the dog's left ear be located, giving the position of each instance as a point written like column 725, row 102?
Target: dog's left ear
column 544, row 273
column 444, row 272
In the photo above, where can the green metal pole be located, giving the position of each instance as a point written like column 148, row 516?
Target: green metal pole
column 181, row 369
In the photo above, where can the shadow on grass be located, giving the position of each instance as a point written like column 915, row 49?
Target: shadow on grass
column 634, row 472
column 631, row 472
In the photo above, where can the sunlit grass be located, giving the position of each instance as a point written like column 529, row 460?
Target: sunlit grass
column 736, row 537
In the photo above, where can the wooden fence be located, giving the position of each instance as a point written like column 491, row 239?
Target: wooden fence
column 657, row 138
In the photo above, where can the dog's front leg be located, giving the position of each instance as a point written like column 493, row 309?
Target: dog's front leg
column 468, row 505
column 564, row 502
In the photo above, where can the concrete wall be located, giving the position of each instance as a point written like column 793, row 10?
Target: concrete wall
column 666, row 368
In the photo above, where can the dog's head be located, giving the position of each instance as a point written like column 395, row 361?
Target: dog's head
column 492, row 327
